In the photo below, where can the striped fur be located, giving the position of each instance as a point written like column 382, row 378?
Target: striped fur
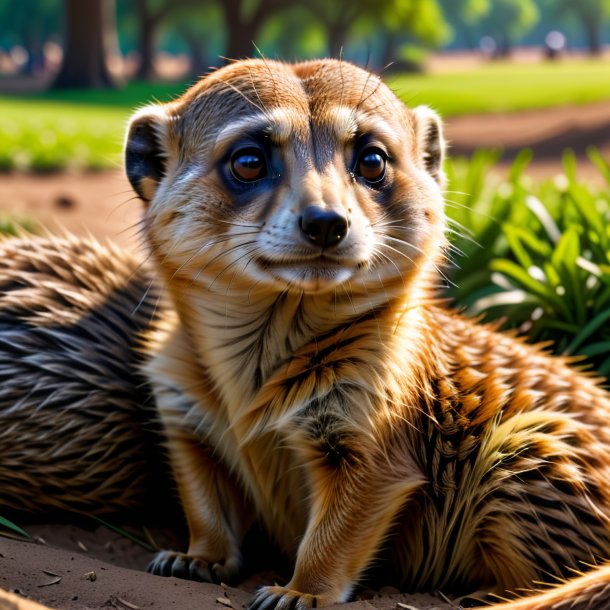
column 325, row 393
column 79, row 431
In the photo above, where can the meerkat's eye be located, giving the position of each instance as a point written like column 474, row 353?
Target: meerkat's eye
column 371, row 165
column 248, row 164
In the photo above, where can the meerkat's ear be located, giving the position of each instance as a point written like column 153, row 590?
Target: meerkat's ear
column 146, row 150
column 430, row 141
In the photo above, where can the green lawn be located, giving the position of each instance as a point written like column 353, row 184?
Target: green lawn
column 84, row 129
column 507, row 87
column 71, row 129
column 49, row 136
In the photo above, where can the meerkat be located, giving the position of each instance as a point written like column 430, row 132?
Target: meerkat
column 308, row 378
column 78, row 427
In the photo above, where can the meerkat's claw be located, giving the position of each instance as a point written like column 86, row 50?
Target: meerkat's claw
column 281, row 598
column 180, row 565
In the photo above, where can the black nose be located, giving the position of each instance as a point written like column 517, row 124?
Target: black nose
column 323, row 227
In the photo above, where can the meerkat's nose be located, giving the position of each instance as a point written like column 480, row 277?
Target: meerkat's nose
column 323, row 227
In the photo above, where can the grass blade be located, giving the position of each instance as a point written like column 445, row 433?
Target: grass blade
column 125, row 533
column 588, row 330
column 13, row 527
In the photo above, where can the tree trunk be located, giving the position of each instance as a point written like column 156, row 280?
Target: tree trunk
column 149, row 26
column 90, row 38
column 146, row 49
column 390, row 50
column 197, row 50
column 240, row 34
column 592, row 31
column 504, row 46
column 337, row 35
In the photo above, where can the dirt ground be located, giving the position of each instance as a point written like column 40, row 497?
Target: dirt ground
column 80, row 569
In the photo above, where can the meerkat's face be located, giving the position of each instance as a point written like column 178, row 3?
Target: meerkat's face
column 304, row 177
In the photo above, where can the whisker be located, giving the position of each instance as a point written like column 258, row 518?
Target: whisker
column 389, row 258
column 234, row 88
column 256, row 90
column 209, row 245
column 239, row 224
column 250, row 259
column 221, row 255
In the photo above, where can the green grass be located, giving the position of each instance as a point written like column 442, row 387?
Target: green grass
column 47, row 136
column 15, row 224
column 127, row 98
column 505, row 86
column 59, row 130
column 534, row 255
column 12, row 528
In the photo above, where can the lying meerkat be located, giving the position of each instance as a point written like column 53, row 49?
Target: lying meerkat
column 78, row 426
column 307, row 377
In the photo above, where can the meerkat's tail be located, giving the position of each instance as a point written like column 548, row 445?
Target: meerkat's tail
column 589, row 591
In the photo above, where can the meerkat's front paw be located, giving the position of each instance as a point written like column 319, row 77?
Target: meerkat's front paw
column 181, row 565
column 281, row 598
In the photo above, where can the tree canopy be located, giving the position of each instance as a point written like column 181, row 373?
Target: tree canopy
column 382, row 31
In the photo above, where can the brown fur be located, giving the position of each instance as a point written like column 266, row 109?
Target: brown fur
column 333, row 399
column 79, row 431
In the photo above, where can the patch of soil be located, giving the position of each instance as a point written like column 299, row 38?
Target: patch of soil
column 58, row 573
column 84, row 570
column 547, row 132
column 91, row 203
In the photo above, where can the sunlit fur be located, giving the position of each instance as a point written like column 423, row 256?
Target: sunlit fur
column 325, row 392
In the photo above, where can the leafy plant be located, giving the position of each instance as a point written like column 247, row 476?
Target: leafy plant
column 536, row 256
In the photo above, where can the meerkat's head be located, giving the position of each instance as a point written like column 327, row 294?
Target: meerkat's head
column 303, row 177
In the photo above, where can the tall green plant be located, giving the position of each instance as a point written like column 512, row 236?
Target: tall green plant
column 538, row 256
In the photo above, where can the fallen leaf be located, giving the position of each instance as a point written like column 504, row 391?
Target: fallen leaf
column 127, row 604
column 225, row 601
column 117, row 602
column 51, row 582
column 49, row 573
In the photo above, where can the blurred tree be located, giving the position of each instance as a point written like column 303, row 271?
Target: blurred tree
column 291, row 34
column 202, row 31
column 244, row 21
column 90, row 38
column 18, row 28
column 509, row 20
column 151, row 15
column 464, row 16
column 421, row 18
column 590, row 13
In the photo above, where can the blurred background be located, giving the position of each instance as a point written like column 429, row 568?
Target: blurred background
column 462, row 57
column 523, row 86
